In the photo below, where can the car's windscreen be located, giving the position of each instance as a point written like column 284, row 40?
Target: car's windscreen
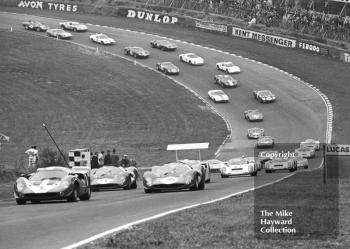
column 108, row 172
column 237, row 161
column 229, row 64
column 48, row 174
column 102, row 37
column 176, row 168
column 192, row 56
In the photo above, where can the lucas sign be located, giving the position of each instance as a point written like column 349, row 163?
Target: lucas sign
column 338, row 150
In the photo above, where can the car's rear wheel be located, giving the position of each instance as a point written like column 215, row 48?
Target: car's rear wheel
column 20, row 202
column 201, row 184
column 86, row 196
column 255, row 173
column 74, row 196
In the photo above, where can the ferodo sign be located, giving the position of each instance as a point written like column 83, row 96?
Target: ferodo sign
column 148, row 16
column 338, row 149
column 312, row 47
column 48, row 6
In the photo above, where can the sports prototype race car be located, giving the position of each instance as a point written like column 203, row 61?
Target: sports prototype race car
column 264, row 96
column 253, row 115
column 281, row 163
column 225, row 81
column 255, row 132
column 218, row 96
column 265, row 156
column 191, row 59
column 113, row 177
column 311, row 143
column 37, row 26
column 302, row 162
column 59, row 33
column 305, row 152
column 265, row 141
column 102, row 39
column 228, row 67
column 167, row 68
column 52, row 183
column 163, row 45
column 174, row 176
column 215, row 165
column 74, row 26
column 136, row 52
column 239, row 166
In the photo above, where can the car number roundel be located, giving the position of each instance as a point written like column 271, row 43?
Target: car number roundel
column 169, row 180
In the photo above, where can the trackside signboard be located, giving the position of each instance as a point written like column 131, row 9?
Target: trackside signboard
column 337, row 150
column 48, row 6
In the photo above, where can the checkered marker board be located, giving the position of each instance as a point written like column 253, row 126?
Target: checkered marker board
column 76, row 158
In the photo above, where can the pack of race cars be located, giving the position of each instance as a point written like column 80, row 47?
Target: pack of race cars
column 60, row 183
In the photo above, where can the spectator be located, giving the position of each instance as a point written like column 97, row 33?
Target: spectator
column 94, row 160
column 101, row 158
column 125, row 162
column 33, row 158
column 114, row 158
column 107, row 159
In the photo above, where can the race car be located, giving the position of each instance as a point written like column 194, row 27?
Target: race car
column 255, row 132
column 228, row 67
column 265, row 156
column 174, row 176
column 264, row 96
column 74, row 26
column 218, row 96
column 102, row 39
column 59, row 33
column 265, row 141
column 164, row 45
column 205, row 165
column 225, row 81
column 215, row 165
column 239, row 166
column 305, row 152
column 167, row 68
column 37, row 26
column 191, row 59
column 281, row 163
column 256, row 161
column 52, row 183
column 302, row 162
column 113, row 177
column 311, row 143
column 253, row 115
column 136, row 52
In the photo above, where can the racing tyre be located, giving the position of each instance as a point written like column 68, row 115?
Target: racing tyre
column 181, row 59
column 38, row 29
column 128, row 185
column 86, row 197
column 147, row 191
column 134, row 185
column 20, row 202
column 74, row 196
column 224, row 176
column 268, row 171
column 195, row 186
column 62, row 27
column 254, row 173
column 306, row 167
column 201, row 185
column 26, row 27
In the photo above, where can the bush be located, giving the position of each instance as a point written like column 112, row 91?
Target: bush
column 50, row 157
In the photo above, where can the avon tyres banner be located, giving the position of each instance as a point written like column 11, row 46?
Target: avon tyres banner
column 48, row 6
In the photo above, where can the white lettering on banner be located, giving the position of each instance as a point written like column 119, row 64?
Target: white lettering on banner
column 148, row 16
column 346, row 57
column 48, row 6
column 310, row 47
column 30, row 4
column 338, row 149
column 276, row 40
column 211, row 26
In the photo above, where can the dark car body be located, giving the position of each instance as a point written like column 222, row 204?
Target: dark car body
column 163, row 45
column 37, row 26
column 167, row 68
column 136, row 52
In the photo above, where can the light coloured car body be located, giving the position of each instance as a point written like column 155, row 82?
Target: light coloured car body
column 215, row 165
column 34, row 25
column 191, row 59
column 74, row 26
column 311, row 143
column 218, row 96
column 253, row 115
column 305, row 152
column 167, row 68
column 228, row 67
column 225, row 80
column 136, row 52
column 281, row 163
column 255, row 132
column 302, row 162
column 265, row 141
column 59, row 33
column 102, row 39
column 240, row 166
column 264, row 96
column 164, row 45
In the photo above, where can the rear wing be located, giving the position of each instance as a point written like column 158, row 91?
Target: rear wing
column 191, row 146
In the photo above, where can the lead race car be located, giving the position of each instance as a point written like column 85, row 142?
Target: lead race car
column 167, row 68
column 74, row 26
column 113, row 177
column 228, row 67
column 52, row 183
column 34, row 25
column 240, row 166
column 164, row 45
column 174, row 176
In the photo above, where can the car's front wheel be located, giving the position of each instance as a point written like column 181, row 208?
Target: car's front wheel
column 148, row 190
column 38, row 29
column 20, row 201
column 74, row 196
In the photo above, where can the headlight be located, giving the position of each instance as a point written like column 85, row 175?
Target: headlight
column 20, row 186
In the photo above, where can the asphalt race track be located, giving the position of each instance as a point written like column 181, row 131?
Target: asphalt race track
column 299, row 113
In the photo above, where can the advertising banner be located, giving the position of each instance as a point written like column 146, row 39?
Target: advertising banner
column 211, row 26
column 345, row 57
column 150, row 16
column 312, row 47
column 48, row 6
column 262, row 37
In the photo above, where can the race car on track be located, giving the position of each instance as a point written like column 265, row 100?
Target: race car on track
column 136, row 52
column 255, row 132
column 265, row 156
column 215, row 165
column 163, row 45
column 305, row 152
column 37, row 26
column 167, row 68
column 74, row 26
column 239, row 166
column 225, row 81
column 218, row 96
column 191, row 59
column 253, row 115
column 52, row 183
column 302, row 162
column 205, row 165
column 264, row 96
column 281, row 163
column 228, row 67
column 102, row 39
column 265, row 141
column 311, row 143
column 113, row 177
column 174, row 176
column 59, row 33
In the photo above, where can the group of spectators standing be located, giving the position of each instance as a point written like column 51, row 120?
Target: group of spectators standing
column 99, row 159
